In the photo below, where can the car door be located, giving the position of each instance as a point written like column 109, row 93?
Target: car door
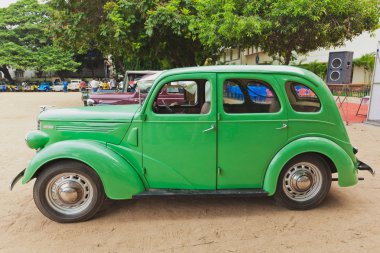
column 179, row 138
column 252, row 128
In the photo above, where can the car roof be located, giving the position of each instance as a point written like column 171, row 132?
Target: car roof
column 265, row 69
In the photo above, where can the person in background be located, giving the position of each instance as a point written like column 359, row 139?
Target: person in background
column 113, row 83
column 82, row 85
column 65, row 84
column 94, row 85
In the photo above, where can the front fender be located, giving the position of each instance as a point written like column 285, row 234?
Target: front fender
column 120, row 180
column 347, row 173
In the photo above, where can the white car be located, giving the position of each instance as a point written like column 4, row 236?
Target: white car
column 57, row 87
column 73, row 85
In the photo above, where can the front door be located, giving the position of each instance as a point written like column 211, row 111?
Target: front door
column 252, row 128
column 179, row 133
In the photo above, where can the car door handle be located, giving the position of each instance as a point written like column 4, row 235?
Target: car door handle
column 283, row 126
column 209, row 129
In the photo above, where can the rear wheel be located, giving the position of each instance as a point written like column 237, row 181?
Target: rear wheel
column 68, row 191
column 303, row 183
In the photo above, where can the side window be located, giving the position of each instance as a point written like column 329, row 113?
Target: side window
column 302, row 98
column 249, row 96
column 232, row 93
column 183, row 97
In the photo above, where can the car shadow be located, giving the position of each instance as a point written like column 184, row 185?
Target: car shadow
column 198, row 207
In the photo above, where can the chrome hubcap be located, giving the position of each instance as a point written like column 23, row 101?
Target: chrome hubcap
column 69, row 193
column 302, row 181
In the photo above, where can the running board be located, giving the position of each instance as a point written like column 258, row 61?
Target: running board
column 359, row 178
column 185, row 193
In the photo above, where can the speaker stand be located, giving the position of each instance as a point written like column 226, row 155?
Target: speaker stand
column 341, row 98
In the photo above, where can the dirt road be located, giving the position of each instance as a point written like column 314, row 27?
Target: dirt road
column 348, row 221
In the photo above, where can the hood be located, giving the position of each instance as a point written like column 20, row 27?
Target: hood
column 115, row 113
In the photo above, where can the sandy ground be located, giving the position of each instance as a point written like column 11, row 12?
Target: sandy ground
column 348, row 221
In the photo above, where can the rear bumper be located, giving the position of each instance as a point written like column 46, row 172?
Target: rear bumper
column 363, row 166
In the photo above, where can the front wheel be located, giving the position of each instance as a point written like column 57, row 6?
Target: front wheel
column 68, row 191
column 303, row 183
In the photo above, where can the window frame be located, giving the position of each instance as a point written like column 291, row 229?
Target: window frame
column 158, row 84
column 247, row 98
column 292, row 83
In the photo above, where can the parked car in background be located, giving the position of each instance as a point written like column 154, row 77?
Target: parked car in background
column 45, row 86
column 74, row 85
column 3, row 87
column 13, row 87
column 57, row 87
column 130, row 79
column 57, row 84
column 30, row 86
column 235, row 130
column 134, row 92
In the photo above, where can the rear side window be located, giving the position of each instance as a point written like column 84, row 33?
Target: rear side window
column 249, row 96
column 302, row 98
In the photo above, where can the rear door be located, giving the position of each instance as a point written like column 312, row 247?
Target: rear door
column 252, row 128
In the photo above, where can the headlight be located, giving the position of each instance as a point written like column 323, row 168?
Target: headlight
column 36, row 139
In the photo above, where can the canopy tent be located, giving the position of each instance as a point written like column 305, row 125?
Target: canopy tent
column 374, row 106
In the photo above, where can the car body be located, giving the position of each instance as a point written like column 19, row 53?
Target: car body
column 57, row 87
column 74, row 85
column 45, row 86
column 127, row 94
column 13, row 87
column 31, row 86
column 237, row 130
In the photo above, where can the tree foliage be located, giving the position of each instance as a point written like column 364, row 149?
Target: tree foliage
column 26, row 40
column 137, row 33
column 177, row 33
column 367, row 61
column 282, row 27
column 318, row 68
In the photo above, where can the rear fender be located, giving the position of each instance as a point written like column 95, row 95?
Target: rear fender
column 347, row 172
column 120, row 180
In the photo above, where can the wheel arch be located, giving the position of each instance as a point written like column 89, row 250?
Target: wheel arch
column 119, row 178
column 335, row 157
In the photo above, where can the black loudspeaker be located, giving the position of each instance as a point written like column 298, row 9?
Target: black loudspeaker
column 339, row 69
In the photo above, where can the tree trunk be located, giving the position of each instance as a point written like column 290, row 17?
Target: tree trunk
column 7, row 75
column 39, row 73
column 288, row 57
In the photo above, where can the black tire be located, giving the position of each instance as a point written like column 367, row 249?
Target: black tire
column 303, row 183
column 59, row 183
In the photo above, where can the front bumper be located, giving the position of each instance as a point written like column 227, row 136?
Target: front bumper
column 16, row 179
column 363, row 166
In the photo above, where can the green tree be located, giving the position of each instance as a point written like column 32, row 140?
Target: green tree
column 318, row 68
column 367, row 62
column 26, row 40
column 283, row 27
column 142, row 34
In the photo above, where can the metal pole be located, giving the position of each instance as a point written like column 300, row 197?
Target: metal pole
column 374, row 90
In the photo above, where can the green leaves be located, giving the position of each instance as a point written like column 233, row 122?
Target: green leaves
column 26, row 39
column 176, row 33
column 282, row 27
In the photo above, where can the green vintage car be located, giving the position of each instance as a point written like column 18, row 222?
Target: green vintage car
column 238, row 130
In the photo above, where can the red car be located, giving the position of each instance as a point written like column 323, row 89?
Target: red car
column 128, row 93
column 124, row 98
column 138, row 90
